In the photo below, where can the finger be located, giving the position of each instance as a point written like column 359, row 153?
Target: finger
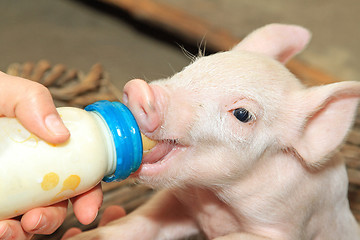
column 112, row 213
column 70, row 233
column 32, row 104
column 11, row 229
column 86, row 205
column 44, row 220
column 37, row 112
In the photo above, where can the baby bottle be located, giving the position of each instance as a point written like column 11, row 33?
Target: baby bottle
column 105, row 144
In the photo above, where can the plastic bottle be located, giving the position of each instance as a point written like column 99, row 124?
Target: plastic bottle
column 105, row 144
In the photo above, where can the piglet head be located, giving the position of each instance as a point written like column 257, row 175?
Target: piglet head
column 215, row 119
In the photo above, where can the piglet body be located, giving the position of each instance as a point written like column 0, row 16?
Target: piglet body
column 245, row 150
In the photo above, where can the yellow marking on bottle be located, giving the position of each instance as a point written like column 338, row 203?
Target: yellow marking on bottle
column 37, row 139
column 32, row 136
column 32, row 139
column 70, row 183
column 50, row 181
column 52, row 144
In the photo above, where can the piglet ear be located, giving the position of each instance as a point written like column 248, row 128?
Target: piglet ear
column 278, row 41
column 322, row 117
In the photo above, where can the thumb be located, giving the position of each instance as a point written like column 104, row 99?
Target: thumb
column 31, row 103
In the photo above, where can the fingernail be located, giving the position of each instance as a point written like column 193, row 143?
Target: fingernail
column 5, row 232
column 41, row 223
column 54, row 124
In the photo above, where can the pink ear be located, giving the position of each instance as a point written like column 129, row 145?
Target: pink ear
column 278, row 41
column 324, row 116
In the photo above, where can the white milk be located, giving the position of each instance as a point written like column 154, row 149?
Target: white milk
column 105, row 141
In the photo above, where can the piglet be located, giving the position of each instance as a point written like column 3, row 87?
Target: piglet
column 244, row 151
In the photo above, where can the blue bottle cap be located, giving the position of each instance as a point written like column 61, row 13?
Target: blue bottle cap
column 126, row 136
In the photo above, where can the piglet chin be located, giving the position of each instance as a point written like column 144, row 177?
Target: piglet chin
column 158, row 159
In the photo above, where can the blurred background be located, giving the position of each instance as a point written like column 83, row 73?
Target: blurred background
column 152, row 39
column 82, row 33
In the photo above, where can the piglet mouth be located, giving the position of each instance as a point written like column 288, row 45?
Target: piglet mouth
column 159, row 151
column 157, row 158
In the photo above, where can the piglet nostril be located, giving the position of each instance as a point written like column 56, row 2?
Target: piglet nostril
column 140, row 99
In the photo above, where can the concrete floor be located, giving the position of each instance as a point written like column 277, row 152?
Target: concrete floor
column 79, row 35
column 70, row 32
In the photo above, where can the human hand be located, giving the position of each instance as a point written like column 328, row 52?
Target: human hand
column 31, row 103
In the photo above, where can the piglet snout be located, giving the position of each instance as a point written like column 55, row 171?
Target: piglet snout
column 140, row 99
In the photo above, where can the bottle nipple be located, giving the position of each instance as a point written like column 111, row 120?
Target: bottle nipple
column 148, row 143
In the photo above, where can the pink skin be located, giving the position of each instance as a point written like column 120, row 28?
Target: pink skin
column 273, row 176
column 155, row 107
column 147, row 103
column 153, row 104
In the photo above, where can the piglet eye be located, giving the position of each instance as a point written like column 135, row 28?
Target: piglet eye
column 242, row 115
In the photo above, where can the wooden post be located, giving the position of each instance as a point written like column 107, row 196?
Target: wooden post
column 196, row 29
